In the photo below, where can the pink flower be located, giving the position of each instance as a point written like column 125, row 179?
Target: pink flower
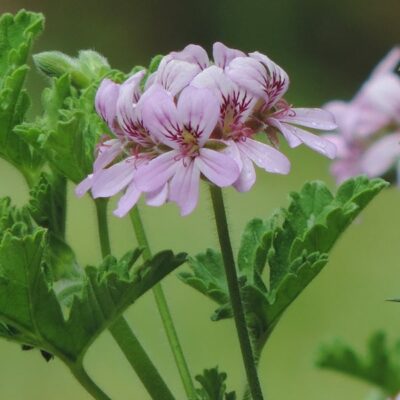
column 121, row 110
column 236, row 106
column 263, row 78
column 382, row 89
column 185, row 128
column 368, row 138
column 195, row 118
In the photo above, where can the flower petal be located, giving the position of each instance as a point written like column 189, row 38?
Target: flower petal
column 157, row 172
column 160, row 116
column 192, row 53
column 128, row 200
column 249, row 74
column 129, row 95
column 106, row 100
column 174, row 75
column 214, row 78
column 311, row 117
column 388, row 63
column 184, row 187
column 217, row 167
column 198, row 111
column 157, row 197
column 381, row 156
column 223, row 55
column 383, row 93
column 110, row 181
column 247, row 176
column 317, row 143
column 265, row 156
column 108, row 152
column 290, row 137
column 84, row 186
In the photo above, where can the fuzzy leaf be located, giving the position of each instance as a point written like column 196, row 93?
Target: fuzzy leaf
column 29, row 304
column 293, row 243
column 213, row 386
column 68, row 131
column 16, row 37
column 379, row 367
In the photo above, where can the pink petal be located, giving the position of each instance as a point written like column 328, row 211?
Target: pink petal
column 129, row 95
column 217, row 167
column 381, row 156
column 106, row 100
column 192, row 53
column 277, row 81
column 317, row 143
column 249, row 74
column 128, row 200
column 84, row 186
column 160, row 116
column 290, row 137
column 157, row 172
column 388, row 63
column 214, row 78
column 157, row 197
column 174, row 75
column 265, row 156
column 233, row 152
column 108, row 152
column 184, row 187
column 247, row 176
column 311, row 117
column 224, row 55
column 110, row 181
column 198, row 111
column 343, row 147
column 383, row 93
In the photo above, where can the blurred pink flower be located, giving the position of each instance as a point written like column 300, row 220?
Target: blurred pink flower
column 368, row 134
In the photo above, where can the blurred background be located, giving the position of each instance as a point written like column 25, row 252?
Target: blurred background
column 328, row 49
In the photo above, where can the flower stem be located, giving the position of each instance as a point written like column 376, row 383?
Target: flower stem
column 234, row 292
column 84, row 379
column 123, row 334
column 164, row 310
column 139, row 360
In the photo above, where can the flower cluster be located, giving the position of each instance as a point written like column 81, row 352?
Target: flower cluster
column 194, row 118
column 368, row 136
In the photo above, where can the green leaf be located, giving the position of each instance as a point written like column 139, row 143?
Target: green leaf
column 16, row 36
column 293, row 243
column 47, row 203
column 68, row 131
column 208, row 276
column 379, row 367
column 29, row 303
column 213, row 386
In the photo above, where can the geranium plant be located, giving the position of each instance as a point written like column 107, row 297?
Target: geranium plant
column 156, row 133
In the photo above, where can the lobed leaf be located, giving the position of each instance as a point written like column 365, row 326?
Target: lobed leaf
column 380, row 366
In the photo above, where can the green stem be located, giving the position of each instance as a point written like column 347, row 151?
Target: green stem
column 234, row 292
column 104, row 236
column 123, row 334
column 84, row 379
column 164, row 310
column 139, row 360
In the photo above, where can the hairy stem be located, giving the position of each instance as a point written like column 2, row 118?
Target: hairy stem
column 164, row 311
column 234, row 292
column 123, row 334
column 139, row 360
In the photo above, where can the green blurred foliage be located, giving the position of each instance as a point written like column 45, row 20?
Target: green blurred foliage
column 328, row 48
